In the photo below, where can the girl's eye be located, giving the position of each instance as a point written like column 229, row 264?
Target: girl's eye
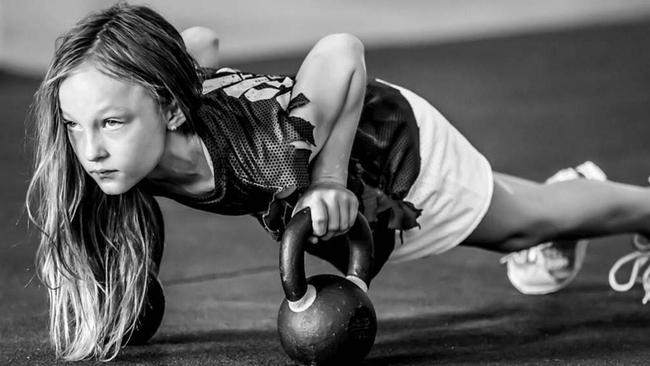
column 112, row 124
column 71, row 125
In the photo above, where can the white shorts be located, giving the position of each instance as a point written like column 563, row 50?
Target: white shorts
column 453, row 188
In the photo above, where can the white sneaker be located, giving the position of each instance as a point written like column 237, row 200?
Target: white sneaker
column 549, row 267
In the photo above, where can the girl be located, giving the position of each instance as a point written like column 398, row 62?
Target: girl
column 124, row 114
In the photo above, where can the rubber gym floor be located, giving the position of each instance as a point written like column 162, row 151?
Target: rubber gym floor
column 531, row 103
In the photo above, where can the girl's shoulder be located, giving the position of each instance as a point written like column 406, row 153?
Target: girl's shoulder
column 236, row 83
column 219, row 78
column 245, row 116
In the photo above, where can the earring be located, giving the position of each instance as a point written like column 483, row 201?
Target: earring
column 172, row 127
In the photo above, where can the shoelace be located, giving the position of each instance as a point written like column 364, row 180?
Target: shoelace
column 639, row 258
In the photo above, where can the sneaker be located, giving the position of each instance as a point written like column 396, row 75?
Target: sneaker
column 549, row 267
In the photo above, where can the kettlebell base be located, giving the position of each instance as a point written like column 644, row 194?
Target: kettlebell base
column 339, row 328
column 306, row 301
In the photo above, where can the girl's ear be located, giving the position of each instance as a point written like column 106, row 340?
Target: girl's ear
column 174, row 116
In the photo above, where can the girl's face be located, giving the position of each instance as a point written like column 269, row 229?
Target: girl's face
column 116, row 128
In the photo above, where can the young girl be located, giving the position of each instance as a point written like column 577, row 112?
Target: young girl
column 125, row 113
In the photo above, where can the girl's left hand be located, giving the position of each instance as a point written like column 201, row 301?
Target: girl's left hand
column 333, row 209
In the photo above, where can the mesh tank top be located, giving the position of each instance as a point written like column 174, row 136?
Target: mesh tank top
column 245, row 125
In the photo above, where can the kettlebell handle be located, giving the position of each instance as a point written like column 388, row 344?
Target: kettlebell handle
column 292, row 253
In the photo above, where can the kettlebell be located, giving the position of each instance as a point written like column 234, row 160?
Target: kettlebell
column 151, row 314
column 326, row 319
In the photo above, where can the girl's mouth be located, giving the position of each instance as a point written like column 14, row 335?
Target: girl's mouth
column 103, row 173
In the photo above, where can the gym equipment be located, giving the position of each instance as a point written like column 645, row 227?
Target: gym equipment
column 326, row 319
column 151, row 314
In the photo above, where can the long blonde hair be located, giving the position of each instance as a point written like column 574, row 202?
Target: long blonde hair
column 96, row 251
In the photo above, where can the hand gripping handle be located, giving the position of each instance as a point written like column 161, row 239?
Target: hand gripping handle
column 292, row 253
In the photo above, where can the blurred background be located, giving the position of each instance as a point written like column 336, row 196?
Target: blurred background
column 535, row 85
column 255, row 29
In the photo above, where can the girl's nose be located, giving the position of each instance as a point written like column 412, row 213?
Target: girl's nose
column 94, row 149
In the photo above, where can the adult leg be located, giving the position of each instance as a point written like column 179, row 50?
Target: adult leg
column 524, row 213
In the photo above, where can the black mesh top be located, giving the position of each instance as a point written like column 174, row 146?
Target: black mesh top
column 245, row 124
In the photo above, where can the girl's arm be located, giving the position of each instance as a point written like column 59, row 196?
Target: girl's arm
column 333, row 78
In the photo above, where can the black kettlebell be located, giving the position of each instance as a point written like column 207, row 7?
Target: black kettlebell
column 151, row 314
column 326, row 319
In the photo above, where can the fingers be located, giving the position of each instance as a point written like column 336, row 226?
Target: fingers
column 353, row 211
column 344, row 216
column 333, row 219
column 333, row 211
column 328, row 220
column 325, row 220
column 319, row 217
column 316, row 210
column 341, row 217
